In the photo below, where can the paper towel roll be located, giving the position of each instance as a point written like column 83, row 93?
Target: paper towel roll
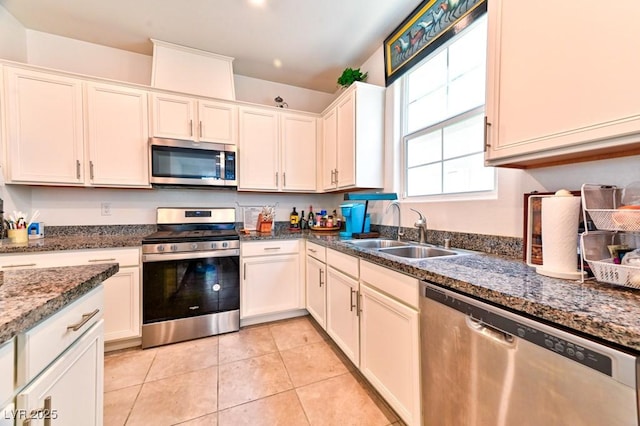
column 560, row 218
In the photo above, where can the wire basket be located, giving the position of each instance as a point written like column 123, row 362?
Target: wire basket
column 595, row 252
column 602, row 204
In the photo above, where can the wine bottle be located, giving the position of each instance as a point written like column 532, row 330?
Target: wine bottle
column 312, row 220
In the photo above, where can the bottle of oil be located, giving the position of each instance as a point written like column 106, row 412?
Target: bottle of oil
column 294, row 220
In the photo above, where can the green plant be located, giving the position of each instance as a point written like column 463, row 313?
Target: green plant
column 350, row 75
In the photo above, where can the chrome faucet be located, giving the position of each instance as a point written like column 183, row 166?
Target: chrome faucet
column 395, row 203
column 421, row 224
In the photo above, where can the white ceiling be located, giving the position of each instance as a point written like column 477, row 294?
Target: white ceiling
column 313, row 39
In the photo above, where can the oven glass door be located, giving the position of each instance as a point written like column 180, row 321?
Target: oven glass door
column 175, row 289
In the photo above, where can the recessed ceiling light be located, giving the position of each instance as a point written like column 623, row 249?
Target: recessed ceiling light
column 277, row 63
column 257, row 3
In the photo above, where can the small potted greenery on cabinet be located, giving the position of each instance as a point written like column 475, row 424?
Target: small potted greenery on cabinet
column 350, row 75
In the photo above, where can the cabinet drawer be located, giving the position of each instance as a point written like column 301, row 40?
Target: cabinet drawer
column 7, row 371
column 343, row 262
column 264, row 248
column 40, row 345
column 125, row 257
column 400, row 286
column 317, row 251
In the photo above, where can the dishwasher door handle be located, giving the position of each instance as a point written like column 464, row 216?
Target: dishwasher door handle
column 490, row 332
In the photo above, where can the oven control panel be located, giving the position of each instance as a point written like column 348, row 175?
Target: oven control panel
column 190, row 246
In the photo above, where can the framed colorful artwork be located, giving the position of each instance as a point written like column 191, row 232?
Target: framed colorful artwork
column 431, row 24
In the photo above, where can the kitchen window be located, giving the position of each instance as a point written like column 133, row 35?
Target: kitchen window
column 443, row 111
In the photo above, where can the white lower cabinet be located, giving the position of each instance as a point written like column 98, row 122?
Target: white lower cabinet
column 60, row 366
column 317, row 283
column 70, row 391
column 121, row 291
column 390, row 338
column 342, row 304
column 272, row 280
column 7, row 381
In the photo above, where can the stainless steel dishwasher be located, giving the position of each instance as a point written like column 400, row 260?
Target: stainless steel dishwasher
column 482, row 365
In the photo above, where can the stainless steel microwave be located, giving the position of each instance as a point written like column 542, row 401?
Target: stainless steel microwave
column 190, row 163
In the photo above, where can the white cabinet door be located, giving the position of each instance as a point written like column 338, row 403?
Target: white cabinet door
column 70, row 391
column 342, row 313
column 329, row 149
column 173, row 116
column 44, row 123
column 353, row 137
column 217, row 122
column 122, row 305
column 317, row 290
column 555, row 91
column 258, row 150
column 298, row 152
column 390, row 351
column 270, row 284
column 346, row 142
column 117, row 136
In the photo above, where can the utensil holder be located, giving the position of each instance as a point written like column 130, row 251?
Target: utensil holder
column 18, row 235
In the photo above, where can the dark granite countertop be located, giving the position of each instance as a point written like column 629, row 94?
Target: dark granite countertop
column 30, row 295
column 72, row 242
column 611, row 314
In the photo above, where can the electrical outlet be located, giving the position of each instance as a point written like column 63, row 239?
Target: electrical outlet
column 105, row 209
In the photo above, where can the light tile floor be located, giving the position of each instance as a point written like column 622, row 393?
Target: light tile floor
column 282, row 373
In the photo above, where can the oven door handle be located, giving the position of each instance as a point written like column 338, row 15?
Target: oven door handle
column 189, row 255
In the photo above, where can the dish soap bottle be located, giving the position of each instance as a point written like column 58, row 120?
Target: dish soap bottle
column 294, row 220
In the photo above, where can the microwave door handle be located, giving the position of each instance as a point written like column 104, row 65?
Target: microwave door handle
column 223, row 174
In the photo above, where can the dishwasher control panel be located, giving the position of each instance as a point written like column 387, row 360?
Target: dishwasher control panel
column 518, row 327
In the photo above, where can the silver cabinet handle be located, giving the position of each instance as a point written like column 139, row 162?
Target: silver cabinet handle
column 200, row 128
column 321, row 276
column 103, row 260
column 272, row 248
column 190, row 127
column 351, row 305
column 78, row 169
column 333, row 171
column 284, row 179
column 45, row 413
column 276, row 178
column 487, row 125
column 336, row 176
column 22, row 265
column 91, row 170
column 83, row 321
column 313, row 250
column 244, row 271
column 359, row 303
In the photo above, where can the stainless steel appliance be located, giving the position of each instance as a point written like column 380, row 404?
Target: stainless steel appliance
column 482, row 365
column 180, row 162
column 191, row 275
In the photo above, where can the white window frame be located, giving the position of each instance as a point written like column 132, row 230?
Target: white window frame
column 404, row 137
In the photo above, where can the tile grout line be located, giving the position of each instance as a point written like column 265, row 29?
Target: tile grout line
column 140, row 390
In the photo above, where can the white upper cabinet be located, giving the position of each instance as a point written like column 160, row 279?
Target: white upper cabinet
column 182, row 117
column 277, row 150
column 557, row 90
column 51, row 141
column 44, row 128
column 117, row 135
column 353, row 139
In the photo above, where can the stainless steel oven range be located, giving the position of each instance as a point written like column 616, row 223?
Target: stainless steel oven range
column 191, row 275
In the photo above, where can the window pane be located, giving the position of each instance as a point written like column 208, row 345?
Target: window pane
column 467, row 174
column 430, row 76
column 465, row 137
column 424, row 149
column 469, row 51
column 427, row 111
column 466, row 92
column 424, row 180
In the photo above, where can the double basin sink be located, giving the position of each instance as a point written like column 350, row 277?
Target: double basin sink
column 405, row 250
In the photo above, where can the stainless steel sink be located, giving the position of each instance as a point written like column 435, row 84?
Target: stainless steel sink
column 417, row 252
column 377, row 243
